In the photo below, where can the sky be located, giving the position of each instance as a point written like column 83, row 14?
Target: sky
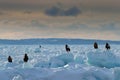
column 85, row 19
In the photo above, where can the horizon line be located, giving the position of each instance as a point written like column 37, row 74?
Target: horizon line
column 62, row 38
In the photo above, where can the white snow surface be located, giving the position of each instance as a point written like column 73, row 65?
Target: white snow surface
column 52, row 62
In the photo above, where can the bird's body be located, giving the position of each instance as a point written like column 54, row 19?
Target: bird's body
column 25, row 58
column 67, row 48
column 10, row 59
column 95, row 45
column 107, row 46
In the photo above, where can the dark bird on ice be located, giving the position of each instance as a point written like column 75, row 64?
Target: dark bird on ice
column 25, row 59
column 10, row 59
column 107, row 46
column 67, row 48
column 95, row 45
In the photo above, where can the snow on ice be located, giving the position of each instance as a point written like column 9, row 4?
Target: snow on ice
column 52, row 62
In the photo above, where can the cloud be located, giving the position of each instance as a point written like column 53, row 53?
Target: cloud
column 27, row 12
column 2, row 13
column 37, row 24
column 109, row 27
column 58, row 11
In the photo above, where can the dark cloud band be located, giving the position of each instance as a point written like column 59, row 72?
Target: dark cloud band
column 57, row 11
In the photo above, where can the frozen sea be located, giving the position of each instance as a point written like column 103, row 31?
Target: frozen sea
column 52, row 62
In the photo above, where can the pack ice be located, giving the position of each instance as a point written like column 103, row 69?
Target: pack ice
column 52, row 62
